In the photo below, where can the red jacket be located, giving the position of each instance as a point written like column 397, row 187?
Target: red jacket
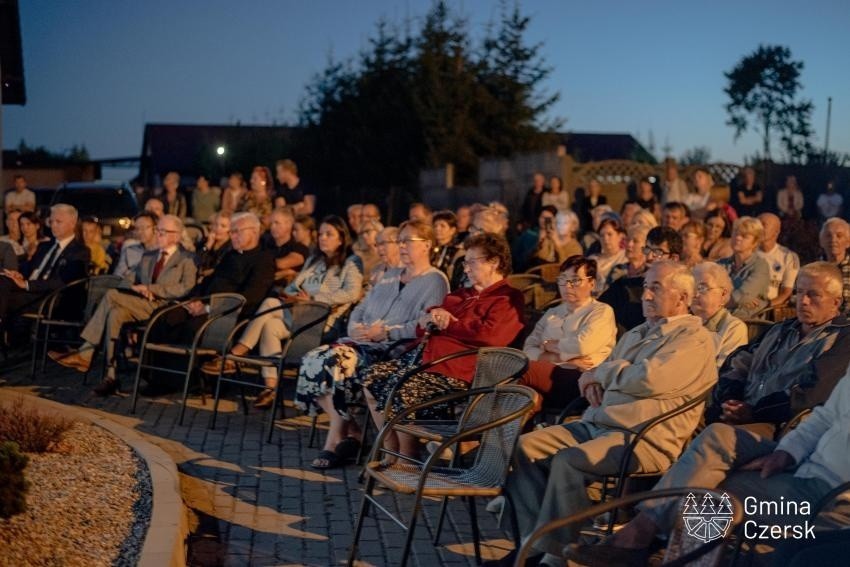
column 493, row 317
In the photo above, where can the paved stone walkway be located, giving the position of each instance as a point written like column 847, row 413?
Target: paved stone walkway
column 256, row 503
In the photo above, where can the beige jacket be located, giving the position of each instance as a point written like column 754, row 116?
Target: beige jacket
column 654, row 369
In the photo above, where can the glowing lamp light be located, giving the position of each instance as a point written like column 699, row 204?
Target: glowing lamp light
column 220, row 150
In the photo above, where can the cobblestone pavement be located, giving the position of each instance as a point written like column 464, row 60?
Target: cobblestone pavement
column 258, row 503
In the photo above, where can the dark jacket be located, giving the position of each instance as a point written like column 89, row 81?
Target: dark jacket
column 249, row 273
column 72, row 264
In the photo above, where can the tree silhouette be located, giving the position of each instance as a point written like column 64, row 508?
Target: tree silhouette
column 762, row 90
column 707, row 505
column 725, row 506
column 690, row 507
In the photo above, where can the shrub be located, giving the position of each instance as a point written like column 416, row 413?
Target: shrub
column 13, row 485
column 33, row 431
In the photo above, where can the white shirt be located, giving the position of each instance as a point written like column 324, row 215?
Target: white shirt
column 784, row 267
column 62, row 245
column 675, row 191
column 588, row 331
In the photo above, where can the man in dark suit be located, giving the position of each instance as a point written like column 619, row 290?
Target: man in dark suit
column 247, row 270
column 166, row 273
column 57, row 262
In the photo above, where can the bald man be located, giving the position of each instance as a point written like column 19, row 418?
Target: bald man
column 784, row 264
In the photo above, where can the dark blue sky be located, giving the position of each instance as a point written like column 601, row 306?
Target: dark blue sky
column 97, row 70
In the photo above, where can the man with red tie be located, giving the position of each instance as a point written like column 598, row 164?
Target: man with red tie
column 57, row 262
column 166, row 273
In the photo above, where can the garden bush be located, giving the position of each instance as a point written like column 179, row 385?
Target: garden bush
column 13, row 485
column 32, row 430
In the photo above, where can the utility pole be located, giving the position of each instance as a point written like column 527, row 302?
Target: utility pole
column 828, row 120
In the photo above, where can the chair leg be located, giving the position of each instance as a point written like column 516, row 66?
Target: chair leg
column 34, row 361
column 313, row 429
column 476, row 535
column 278, row 396
column 514, row 520
column 44, row 345
column 440, row 519
column 186, row 387
column 411, row 527
column 139, row 367
column 358, row 528
column 364, row 435
column 215, row 401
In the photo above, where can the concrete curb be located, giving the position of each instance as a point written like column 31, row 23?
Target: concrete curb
column 165, row 541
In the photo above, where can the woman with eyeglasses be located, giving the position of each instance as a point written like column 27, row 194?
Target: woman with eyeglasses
column 572, row 337
column 389, row 254
column 713, row 289
column 329, row 276
column 750, row 273
column 488, row 313
column 330, row 376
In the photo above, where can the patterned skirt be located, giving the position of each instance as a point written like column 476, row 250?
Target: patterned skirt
column 381, row 378
column 335, row 368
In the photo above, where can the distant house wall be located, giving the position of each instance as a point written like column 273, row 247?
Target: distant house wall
column 49, row 176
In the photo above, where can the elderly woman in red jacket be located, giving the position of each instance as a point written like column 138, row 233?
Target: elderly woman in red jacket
column 488, row 313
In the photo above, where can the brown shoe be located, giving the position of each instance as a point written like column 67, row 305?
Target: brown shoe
column 265, row 399
column 213, row 366
column 70, row 360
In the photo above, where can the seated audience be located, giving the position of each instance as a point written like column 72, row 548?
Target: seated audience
column 646, row 198
column 558, row 242
column 364, row 248
column 782, row 262
column 693, row 237
column 718, row 232
column 304, row 231
column 643, row 217
column 420, row 211
column 794, row 365
column 749, row 194
column 625, row 293
column 354, row 216
column 628, row 210
column 56, row 263
column 92, row 236
column 329, row 276
column 571, row 337
column 830, row 204
column 700, row 202
column 173, row 201
column 524, row 245
column 143, row 238
column 206, row 200
column 464, row 220
column 32, row 234
column 485, row 220
column 369, row 212
column 289, row 254
column 446, row 249
column 488, row 313
column 8, row 258
column 389, row 254
column 234, row 193
column 804, row 465
column 13, row 238
column 293, row 191
column 165, row 273
column 216, row 245
column 259, row 199
column 749, row 272
column 330, row 376
column 657, row 366
column 635, row 264
column 835, row 243
column 713, row 288
column 673, row 189
column 675, row 215
column 611, row 237
column 590, row 239
column 155, row 207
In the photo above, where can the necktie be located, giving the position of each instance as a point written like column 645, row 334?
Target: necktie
column 43, row 271
column 157, row 268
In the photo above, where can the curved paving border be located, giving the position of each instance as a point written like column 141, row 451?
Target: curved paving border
column 165, row 540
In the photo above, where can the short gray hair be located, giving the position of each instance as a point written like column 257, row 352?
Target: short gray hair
column 834, row 220
column 716, row 272
column 827, row 270
column 680, row 277
column 65, row 208
column 175, row 219
column 250, row 219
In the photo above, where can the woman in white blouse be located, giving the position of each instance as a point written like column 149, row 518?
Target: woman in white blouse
column 573, row 337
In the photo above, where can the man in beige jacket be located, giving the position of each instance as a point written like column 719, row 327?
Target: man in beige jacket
column 656, row 367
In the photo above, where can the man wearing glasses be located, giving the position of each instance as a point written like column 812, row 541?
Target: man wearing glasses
column 623, row 295
column 168, row 272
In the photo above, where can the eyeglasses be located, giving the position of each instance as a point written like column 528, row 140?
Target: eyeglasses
column 407, row 241
column 574, row 282
column 238, row 230
column 702, row 289
column 163, row 231
column 386, row 242
column 648, row 251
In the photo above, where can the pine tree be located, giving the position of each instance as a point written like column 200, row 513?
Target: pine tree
column 690, row 507
column 707, row 505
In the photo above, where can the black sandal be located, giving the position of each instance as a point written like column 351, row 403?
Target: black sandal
column 332, row 459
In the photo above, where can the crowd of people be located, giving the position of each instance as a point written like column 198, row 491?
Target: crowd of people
column 652, row 312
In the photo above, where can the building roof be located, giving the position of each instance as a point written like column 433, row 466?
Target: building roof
column 597, row 146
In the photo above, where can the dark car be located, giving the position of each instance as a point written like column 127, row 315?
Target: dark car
column 114, row 204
